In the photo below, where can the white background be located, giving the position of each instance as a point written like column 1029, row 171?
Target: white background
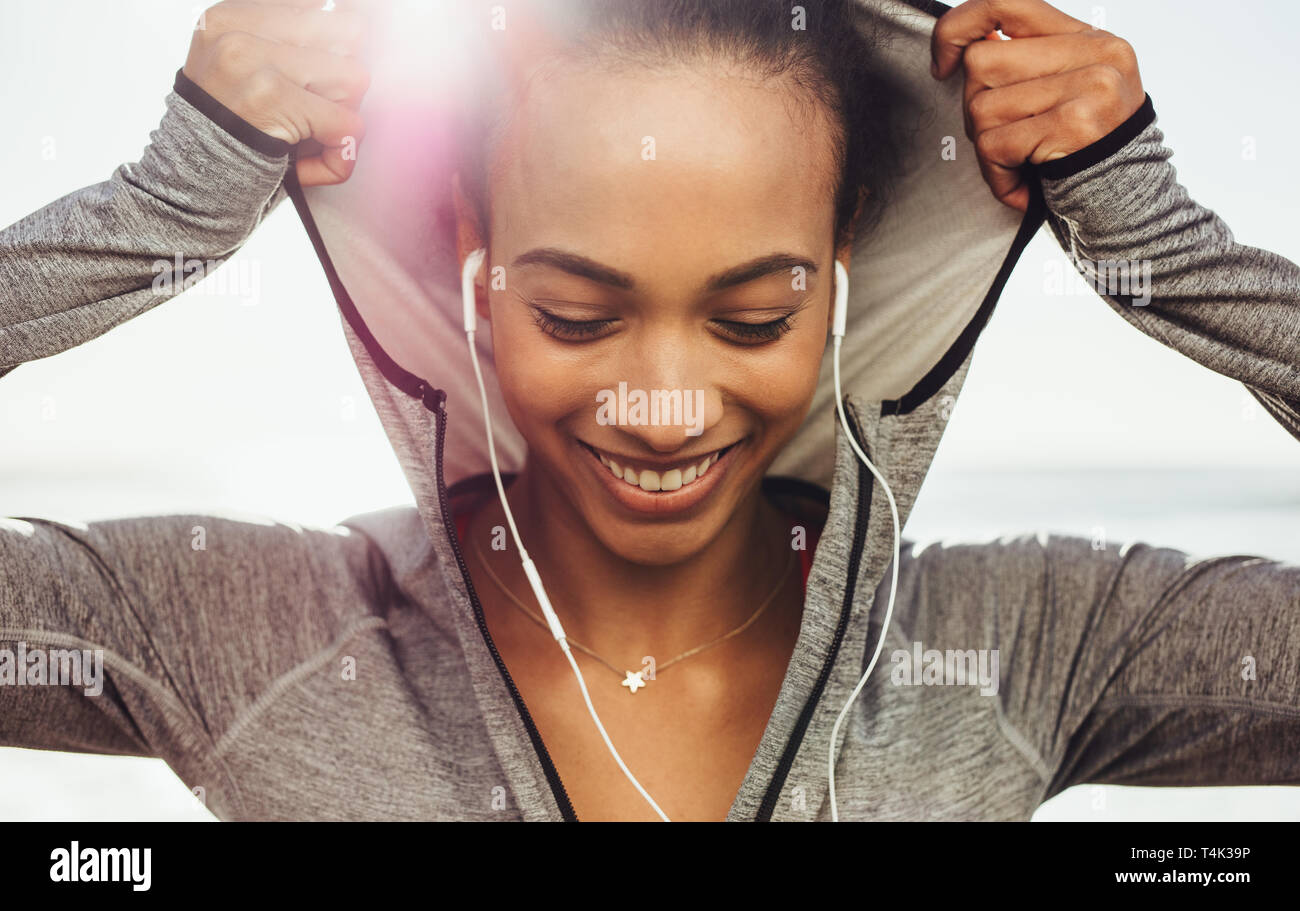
column 1071, row 420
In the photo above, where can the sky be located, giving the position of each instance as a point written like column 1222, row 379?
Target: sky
column 250, row 402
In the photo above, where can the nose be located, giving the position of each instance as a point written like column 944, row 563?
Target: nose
column 668, row 399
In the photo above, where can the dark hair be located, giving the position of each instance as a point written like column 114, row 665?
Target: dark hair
column 830, row 54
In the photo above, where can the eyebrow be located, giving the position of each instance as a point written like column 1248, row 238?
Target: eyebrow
column 587, row 268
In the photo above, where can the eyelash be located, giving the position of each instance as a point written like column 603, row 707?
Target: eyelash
column 578, row 330
column 567, row 329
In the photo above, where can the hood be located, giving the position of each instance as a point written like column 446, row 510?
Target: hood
column 923, row 285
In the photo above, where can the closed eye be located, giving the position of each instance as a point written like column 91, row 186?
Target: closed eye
column 753, row 333
column 568, row 329
column 738, row 331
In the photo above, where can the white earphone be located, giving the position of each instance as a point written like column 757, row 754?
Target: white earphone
column 837, row 337
column 473, row 263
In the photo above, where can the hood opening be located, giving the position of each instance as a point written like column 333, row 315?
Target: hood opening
column 923, row 283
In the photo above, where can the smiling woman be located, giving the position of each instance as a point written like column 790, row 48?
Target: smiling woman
column 700, row 266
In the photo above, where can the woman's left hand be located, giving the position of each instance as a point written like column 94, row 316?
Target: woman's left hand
column 1056, row 86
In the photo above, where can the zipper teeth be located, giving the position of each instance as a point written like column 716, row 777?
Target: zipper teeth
column 866, row 484
column 548, row 766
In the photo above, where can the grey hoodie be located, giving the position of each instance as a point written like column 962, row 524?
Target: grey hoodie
column 348, row 672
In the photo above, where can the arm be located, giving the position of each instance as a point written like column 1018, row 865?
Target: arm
column 1118, row 211
column 101, row 255
column 104, row 254
column 1062, row 102
column 1131, row 664
column 180, row 626
column 158, row 601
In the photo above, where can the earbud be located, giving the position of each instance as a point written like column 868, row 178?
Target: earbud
column 840, row 318
column 467, row 296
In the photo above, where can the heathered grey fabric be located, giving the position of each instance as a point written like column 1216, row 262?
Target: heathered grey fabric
column 1118, row 664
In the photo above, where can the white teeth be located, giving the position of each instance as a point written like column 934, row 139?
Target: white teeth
column 653, row 481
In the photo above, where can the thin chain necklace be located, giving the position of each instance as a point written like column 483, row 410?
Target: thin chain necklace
column 634, row 680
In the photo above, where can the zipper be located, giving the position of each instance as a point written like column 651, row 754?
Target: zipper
column 866, row 484
column 438, row 406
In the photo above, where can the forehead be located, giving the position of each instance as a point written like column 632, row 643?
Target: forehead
column 638, row 167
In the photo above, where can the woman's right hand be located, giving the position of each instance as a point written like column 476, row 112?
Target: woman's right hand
column 292, row 71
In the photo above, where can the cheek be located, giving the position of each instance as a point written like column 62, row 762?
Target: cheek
column 778, row 383
column 541, row 382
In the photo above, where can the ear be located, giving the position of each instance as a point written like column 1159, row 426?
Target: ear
column 469, row 238
column 844, row 254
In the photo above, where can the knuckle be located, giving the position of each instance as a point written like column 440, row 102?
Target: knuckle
column 998, row 10
column 216, row 19
column 1120, row 51
column 976, row 57
column 230, row 51
column 987, row 144
column 1103, row 79
column 979, row 107
column 943, row 30
column 261, row 88
column 1083, row 118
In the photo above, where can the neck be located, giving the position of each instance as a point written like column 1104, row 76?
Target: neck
column 624, row 610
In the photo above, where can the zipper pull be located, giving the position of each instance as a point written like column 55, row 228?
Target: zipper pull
column 433, row 399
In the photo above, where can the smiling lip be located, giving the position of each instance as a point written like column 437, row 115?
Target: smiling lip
column 648, row 495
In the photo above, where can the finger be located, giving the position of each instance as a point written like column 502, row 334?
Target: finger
column 994, row 64
column 989, row 64
column 330, row 124
column 336, row 131
column 333, row 77
column 326, row 166
column 1002, row 151
column 968, row 23
column 1086, row 91
column 247, row 59
column 320, row 172
column 338, row 31
column 1008, row 185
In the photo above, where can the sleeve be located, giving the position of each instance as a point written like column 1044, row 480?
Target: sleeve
column 152, row 636
column 109, row 252
column 1133, row 664
column 1171, row 267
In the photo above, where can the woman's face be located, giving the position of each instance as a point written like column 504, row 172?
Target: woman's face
column 666, row 239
